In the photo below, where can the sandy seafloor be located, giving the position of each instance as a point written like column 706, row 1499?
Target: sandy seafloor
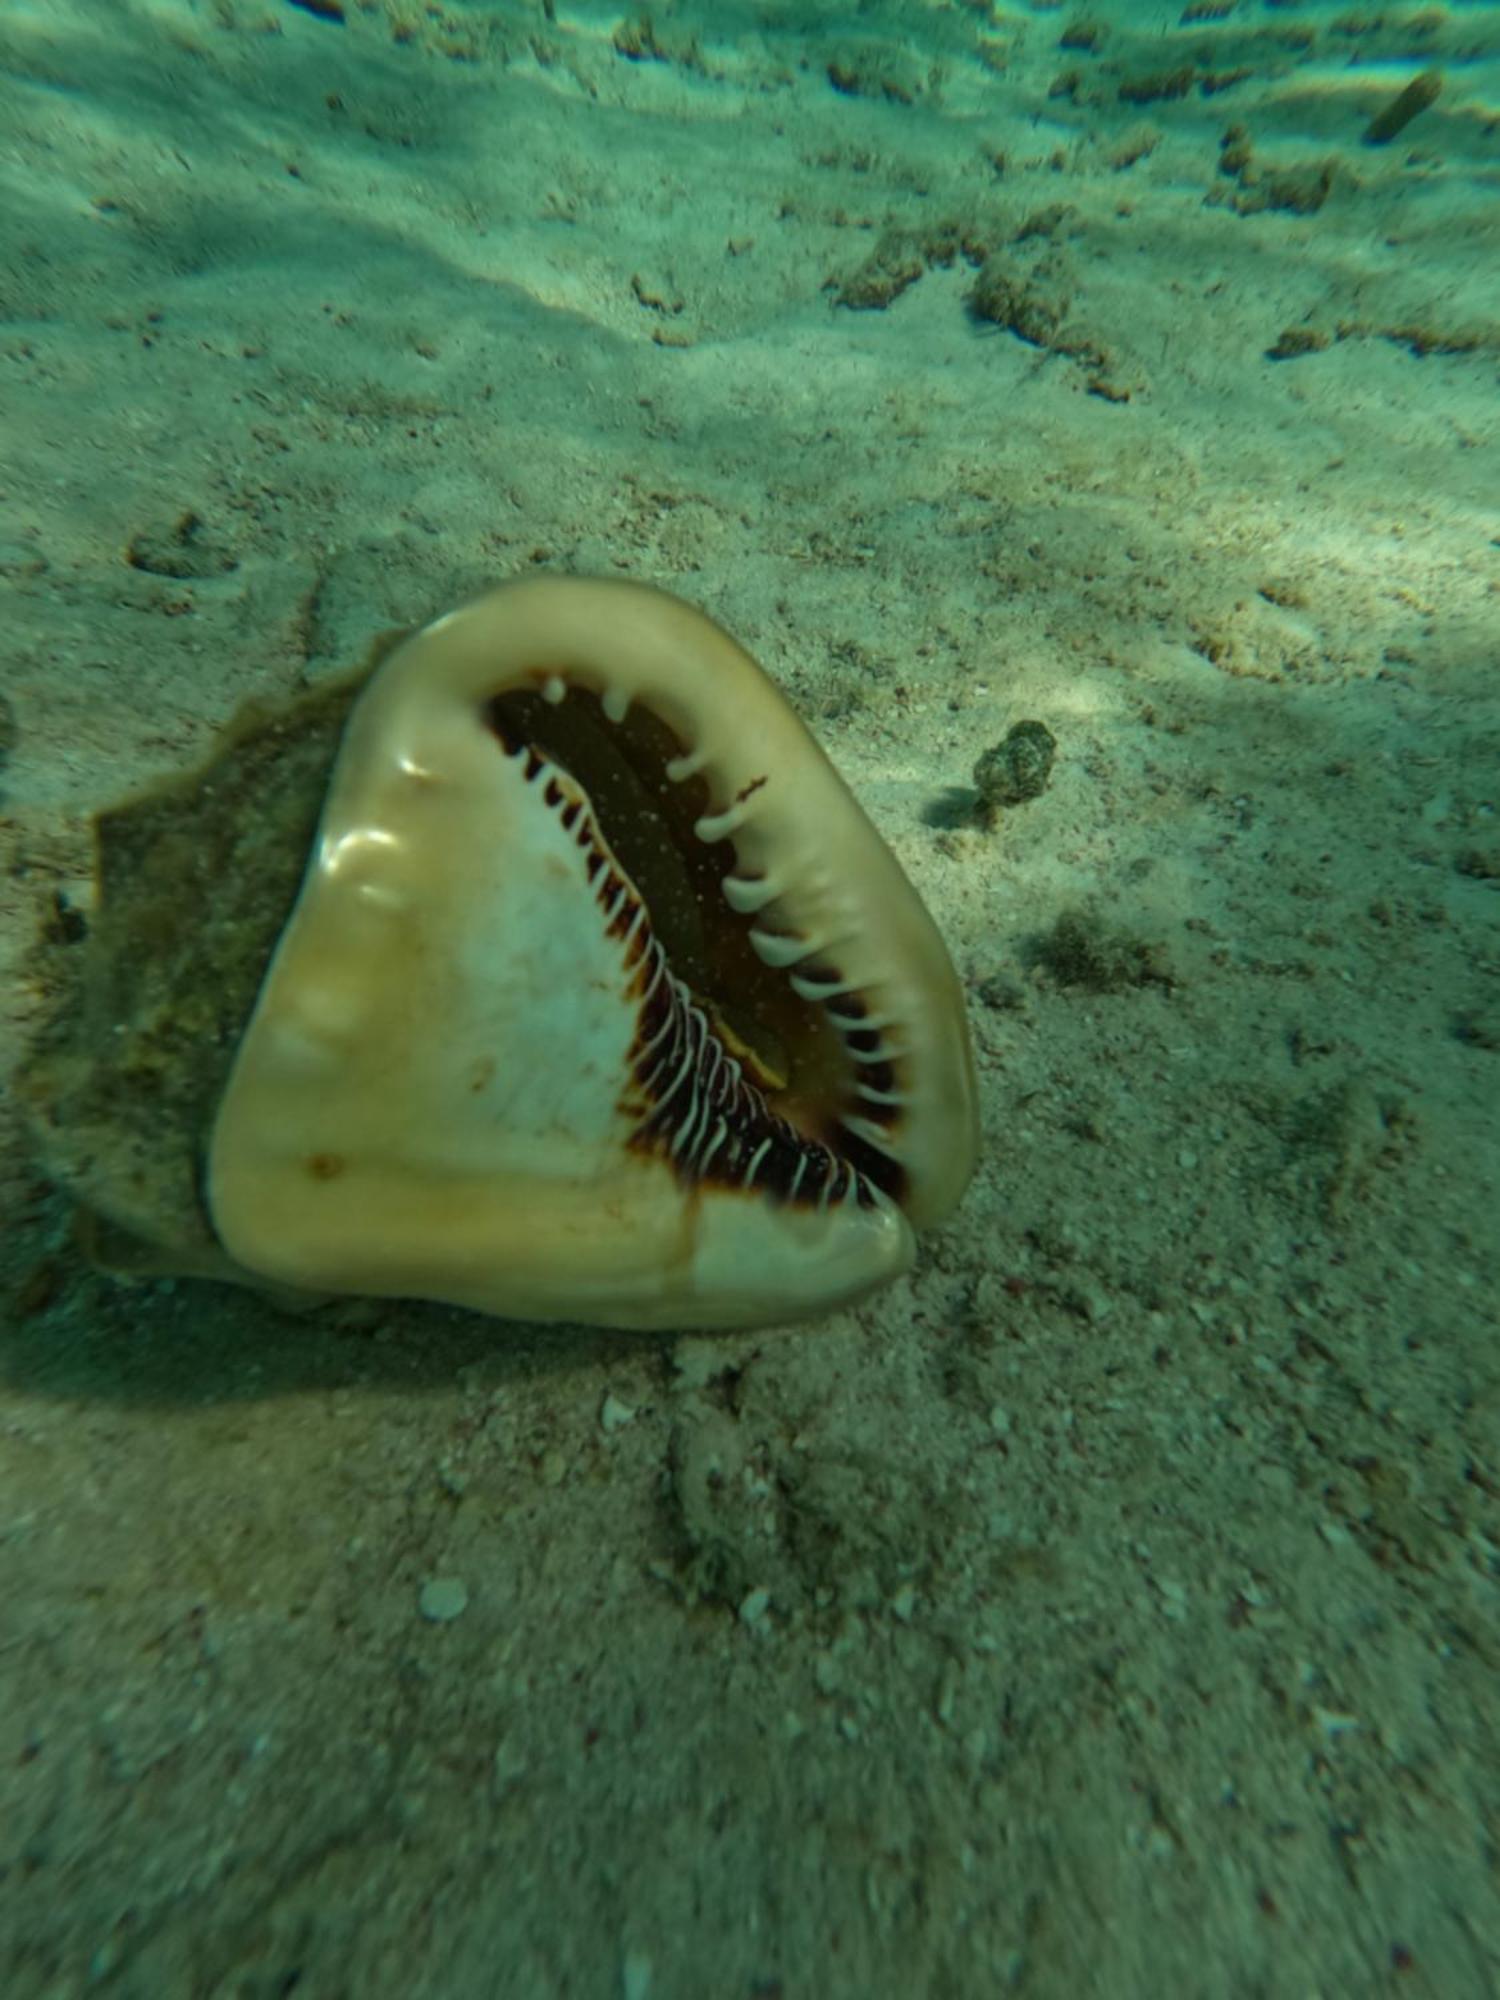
column 1112, row 1607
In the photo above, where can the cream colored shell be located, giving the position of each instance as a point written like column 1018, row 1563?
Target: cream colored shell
column 433, row 1097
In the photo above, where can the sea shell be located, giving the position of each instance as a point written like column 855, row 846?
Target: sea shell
column 600, row 1000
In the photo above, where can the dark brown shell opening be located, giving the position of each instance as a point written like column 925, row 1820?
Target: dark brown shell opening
column 788, row 1045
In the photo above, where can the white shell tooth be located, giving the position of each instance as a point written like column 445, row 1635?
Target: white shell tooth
column 746, row 894
column 820, row 989
column 718, row 826
column 776, row 948
column 870, row 1132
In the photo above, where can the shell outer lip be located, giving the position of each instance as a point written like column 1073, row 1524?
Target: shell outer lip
column 839, row 895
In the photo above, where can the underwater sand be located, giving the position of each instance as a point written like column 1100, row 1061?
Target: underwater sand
column 1112, row 1608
